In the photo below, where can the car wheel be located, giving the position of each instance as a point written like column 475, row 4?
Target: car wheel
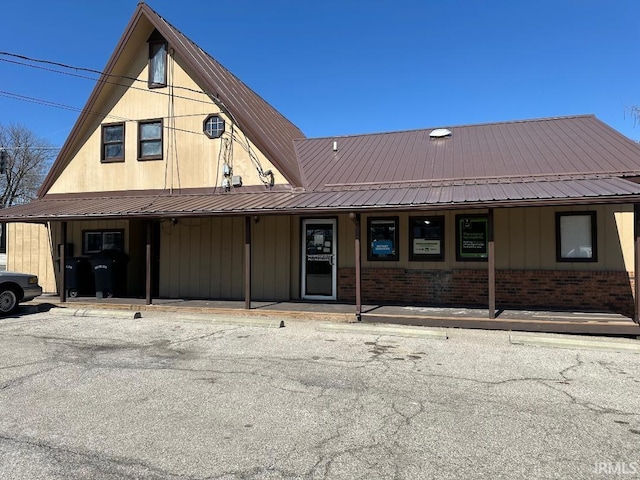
column 8, row 301
column 73, row 292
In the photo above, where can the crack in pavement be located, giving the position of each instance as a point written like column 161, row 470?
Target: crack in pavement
column 68, row 460
column 23, row 378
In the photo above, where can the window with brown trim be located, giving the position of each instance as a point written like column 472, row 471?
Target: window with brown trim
column 382, row 239
column 426, row 238
column 576, row 237
column 157, row 61
column 472, row 238
column 112, row 140
column 150, row 140
column 96, row 241
column 213, row 126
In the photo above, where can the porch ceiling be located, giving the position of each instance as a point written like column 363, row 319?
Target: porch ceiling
column 439, row 195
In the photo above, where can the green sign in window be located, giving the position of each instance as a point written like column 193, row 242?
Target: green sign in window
column 472, row 237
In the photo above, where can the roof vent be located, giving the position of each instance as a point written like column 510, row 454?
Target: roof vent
column 440, row 133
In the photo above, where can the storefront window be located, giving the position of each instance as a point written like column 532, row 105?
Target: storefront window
column 472, row 237
column 426, row 238
column 382, row 239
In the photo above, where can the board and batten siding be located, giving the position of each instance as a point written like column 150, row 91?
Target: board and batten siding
column 525, row 239
column 29, row 250
column 204, row 258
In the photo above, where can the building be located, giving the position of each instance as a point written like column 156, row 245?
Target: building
column 212, row 193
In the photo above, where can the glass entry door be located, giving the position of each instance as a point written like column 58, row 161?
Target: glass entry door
column 319, row 259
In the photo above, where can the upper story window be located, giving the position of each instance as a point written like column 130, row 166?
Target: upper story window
column 157, row 60
column 213, row 126
column 112, row 143
column 150, row 140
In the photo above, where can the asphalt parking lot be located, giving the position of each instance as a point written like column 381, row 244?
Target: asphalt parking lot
column 164, row 397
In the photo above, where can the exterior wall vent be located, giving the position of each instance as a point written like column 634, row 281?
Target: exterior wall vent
column 440, row 133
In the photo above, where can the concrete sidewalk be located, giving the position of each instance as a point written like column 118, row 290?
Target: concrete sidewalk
column 598, row 323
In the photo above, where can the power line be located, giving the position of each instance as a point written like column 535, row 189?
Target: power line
column 15, row 96
column 48, row 103
column 98, row 80
column 213, row 98
column 84, row 69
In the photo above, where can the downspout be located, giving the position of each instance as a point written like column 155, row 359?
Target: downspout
column 247, row 262
column 491, row 274
column 63, row 264
column 148, row 265
column 355, row 218
column 636, row 262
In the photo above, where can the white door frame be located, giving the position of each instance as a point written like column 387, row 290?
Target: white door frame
column 334, row 263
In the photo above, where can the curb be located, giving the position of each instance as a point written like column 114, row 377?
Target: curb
column 564, row 342
column 69, row 312
column 231, row 312
column 437, row 334
column 246, row 321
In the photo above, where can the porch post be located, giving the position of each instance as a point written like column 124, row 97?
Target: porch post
column 356, row 221
column 491, row 268
column 636, row 261
column 247, row 262
column 63, row 260
column 148, row 265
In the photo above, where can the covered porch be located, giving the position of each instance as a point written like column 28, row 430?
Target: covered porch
column 575, row 322
column 352, row 213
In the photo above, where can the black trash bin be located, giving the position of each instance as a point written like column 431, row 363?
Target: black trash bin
column 110, row 273
column 78, row 277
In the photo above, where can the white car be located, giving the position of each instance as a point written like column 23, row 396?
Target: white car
column 16, row 288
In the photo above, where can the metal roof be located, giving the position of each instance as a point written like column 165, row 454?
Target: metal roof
column 462, row 195
column 509, row 151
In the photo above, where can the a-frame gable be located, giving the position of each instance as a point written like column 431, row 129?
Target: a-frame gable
column 267, row 134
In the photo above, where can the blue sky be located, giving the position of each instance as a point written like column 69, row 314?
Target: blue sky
column 347, row 67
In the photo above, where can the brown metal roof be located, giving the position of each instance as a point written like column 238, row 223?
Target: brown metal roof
column 505, row 152
column 267, row 128
column 461, row 195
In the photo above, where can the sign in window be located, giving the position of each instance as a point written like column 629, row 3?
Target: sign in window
column 472, row 237
column 426, row 238
column 382, row 238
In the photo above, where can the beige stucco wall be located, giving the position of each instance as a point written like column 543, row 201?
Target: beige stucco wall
column 191, row 159
column 29, row 251
column 524, row 239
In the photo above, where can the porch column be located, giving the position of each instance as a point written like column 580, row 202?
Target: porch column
column 491, row 268
column 247, row 262
column 63, row 259
column 636, row 261
column 355, row 217
column 148, row 265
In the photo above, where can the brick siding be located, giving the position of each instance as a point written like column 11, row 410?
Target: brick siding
column 535, row 289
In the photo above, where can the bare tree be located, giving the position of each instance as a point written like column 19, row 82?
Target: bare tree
column 27, row 160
